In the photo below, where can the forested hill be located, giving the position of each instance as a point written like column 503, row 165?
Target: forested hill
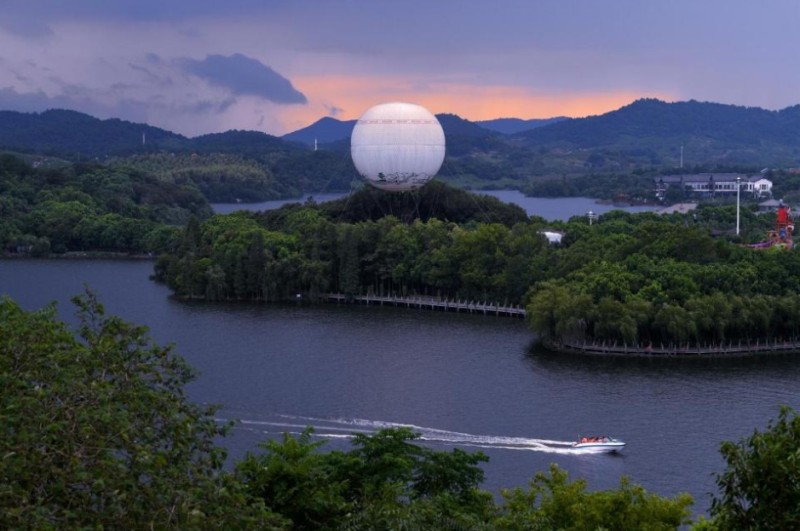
column 336, row 133
column 74, row 135
column 509, row 126
column 645, row 137
column 324, row 130
column 657, row 121
column 644, row 124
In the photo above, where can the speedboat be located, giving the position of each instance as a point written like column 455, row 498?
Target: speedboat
column 600, row 444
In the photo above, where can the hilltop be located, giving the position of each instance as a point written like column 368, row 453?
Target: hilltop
column 646, row 137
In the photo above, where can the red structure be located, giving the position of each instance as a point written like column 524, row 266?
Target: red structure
column 781, row 235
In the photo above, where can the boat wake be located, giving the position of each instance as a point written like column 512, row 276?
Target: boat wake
column 344, row 428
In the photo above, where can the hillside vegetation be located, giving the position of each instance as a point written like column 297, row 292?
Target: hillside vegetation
column 90, row 207
column 644, row 138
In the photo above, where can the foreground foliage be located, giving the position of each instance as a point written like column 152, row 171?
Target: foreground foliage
column 553, row 502
column 386, row 482
column 760, row 487
column 97, row 431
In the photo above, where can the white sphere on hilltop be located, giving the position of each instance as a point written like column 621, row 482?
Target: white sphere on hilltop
column 397, row 146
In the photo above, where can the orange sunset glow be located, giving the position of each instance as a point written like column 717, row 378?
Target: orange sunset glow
column 352, row 96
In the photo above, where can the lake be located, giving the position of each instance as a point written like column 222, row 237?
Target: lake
column 551, row 209
column 461, row 380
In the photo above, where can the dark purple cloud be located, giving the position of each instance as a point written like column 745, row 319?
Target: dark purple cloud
column 132, row 10
column 333, row 110
column 244, row 76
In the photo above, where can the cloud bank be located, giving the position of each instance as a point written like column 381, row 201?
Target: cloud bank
column 243, row 76
column 200, row 66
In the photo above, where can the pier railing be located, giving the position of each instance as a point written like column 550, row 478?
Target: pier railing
column 431, row 303
column 717, row 349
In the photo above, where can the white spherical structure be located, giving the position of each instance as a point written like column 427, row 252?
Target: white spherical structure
column 397, row 146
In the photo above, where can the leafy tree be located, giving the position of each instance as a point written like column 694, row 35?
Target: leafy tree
column 384, row 482
column 97, row 432
column 348, row 261
column 553, row 502
column 296, row 482
column 760, row 487
column 544, row 309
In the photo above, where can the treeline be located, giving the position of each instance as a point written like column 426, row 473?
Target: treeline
column 643, row 281
column 99, row 433
column 220, row 177
column 231, row 177
column 89, row 207
column 637, row 186
column 236, row 257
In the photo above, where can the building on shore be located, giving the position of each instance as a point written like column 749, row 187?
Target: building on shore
column 704, row 185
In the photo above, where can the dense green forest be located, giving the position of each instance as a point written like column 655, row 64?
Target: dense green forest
column 89, row 207
column 234, row 178
column 98, row 433
column 644, row 280
column 639, row 280
column 306, row 249
column 221, row 178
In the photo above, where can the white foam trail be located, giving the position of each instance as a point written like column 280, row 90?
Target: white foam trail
column 331, row 428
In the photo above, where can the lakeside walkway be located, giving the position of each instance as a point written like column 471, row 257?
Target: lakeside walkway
column 430, row 303
column 728, row 350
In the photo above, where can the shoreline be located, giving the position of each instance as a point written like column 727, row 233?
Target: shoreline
column 731, row 350
column 82, row 255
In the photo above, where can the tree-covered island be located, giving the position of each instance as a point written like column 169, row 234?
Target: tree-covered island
column 644, row 281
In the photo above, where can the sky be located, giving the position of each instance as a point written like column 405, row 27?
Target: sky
column 205, row 66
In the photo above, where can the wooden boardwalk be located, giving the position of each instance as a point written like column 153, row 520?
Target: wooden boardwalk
column 431, row 303
column 726, row 350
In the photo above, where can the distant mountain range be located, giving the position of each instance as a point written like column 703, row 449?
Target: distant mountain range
column 327, row 130
column 676, row 122
column 509, row 126
column 74, row 135
column 323, row 131
column 648, row 134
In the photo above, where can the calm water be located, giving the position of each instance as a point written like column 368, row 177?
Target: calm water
column 227, row 208
column 460, row 379
column 560, row 208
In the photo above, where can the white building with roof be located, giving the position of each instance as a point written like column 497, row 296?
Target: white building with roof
column 714, row 184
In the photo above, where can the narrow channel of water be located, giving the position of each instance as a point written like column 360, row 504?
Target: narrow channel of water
column 551, row 209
